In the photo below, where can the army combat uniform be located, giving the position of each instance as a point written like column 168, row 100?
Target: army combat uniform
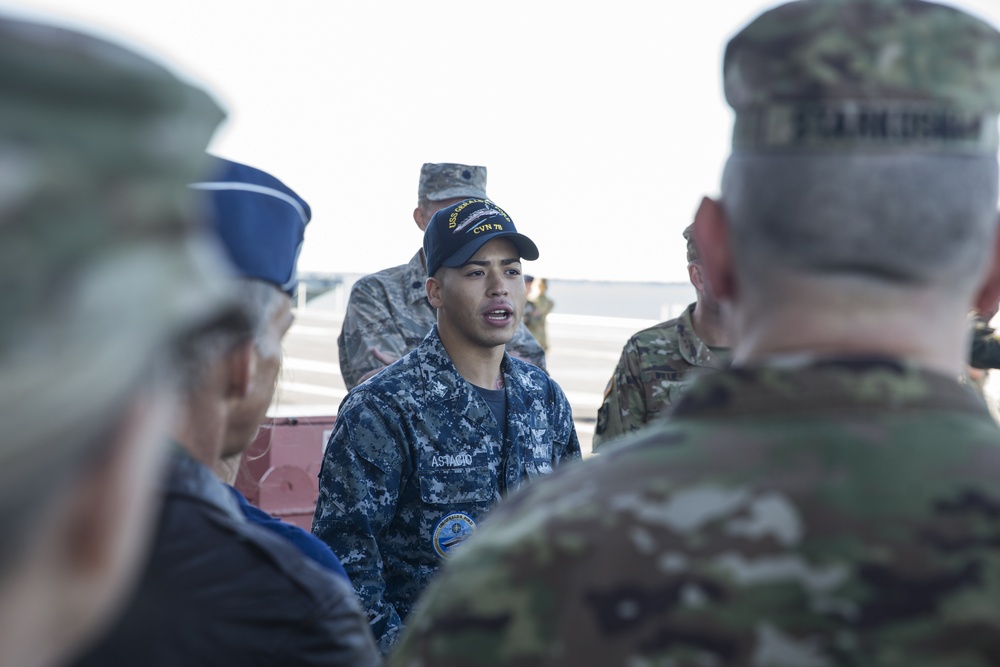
column 840, row 513
column 389, row 311
column 656, row 366
column 415, row 461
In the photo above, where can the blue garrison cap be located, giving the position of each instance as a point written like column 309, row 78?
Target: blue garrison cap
column 260, row 220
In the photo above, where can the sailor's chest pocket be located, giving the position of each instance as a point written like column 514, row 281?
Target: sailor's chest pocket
column 443, row 483
column 538, row 451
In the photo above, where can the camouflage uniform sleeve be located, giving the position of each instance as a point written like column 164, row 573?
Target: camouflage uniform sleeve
column 624, row 407
column 524, row 346
column 565, row 444
column 368, row 324
column 985, row 352
column 358, row 493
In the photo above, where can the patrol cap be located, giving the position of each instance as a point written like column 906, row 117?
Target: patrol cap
column 102, row 258
column 864, row 75
column 457, row 232
column 260, row 220
column 692, row 249
column 446, row 180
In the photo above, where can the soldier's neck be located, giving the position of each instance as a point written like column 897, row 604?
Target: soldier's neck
column 200, row 427
column 708, row 325
column 924, row 328
column 477, row 364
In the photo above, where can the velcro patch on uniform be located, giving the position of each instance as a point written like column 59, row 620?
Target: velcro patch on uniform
column 451, row 532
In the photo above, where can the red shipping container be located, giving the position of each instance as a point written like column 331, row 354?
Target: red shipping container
column 280, row 470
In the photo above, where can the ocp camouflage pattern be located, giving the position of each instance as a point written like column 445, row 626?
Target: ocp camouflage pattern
column 389, row 311
column 417, row 444
column 837, row 513
column 864, row 75
column 656, row 366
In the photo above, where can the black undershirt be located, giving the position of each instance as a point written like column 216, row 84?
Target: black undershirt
column 497, row 400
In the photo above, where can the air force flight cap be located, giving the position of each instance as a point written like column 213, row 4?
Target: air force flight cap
column 864, row 75
column 457, row 232
column 260, row 220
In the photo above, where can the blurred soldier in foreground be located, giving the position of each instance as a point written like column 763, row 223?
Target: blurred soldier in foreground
column 659, row 363
column 421, row 452
column 388, row 313
column 832, row 499
column 220, row 590
column 101, row 268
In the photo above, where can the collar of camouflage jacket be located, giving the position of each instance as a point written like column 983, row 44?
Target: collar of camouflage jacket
column 834, row 386
column 693, row 349
column 414, row 278
column 442, row 382
column 188, row 477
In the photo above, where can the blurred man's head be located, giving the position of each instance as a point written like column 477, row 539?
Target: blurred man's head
column 261, row 222
column 444, row 184
column 101, row 268
column 864, row 151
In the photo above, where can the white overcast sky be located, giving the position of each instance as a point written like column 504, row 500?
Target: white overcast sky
column 601, row 124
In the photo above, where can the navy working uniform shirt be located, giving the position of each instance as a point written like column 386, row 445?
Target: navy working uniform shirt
column 417, row 459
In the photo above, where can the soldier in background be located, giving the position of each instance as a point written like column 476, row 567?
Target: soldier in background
column 832, row 498
column 102, row 268
column 388, row 313
column 984, row 352
column 536, row 318
column 422, row 451
column 658, row 363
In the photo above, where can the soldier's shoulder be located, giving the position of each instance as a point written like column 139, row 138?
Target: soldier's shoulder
column 666, row 330
column 533, row 378
column 386, row 277
column 395, row 383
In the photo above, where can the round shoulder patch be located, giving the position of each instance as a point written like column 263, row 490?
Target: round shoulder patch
column 451, row 531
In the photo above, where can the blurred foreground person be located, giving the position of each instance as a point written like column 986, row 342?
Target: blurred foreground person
column 422, row 451
column 832, row 499
column 220, row 590
column 101, row 268
column 388, row 313
column 659, row 363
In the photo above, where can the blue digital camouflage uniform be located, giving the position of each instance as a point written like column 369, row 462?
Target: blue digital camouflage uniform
column 416, row 460
column 842, row 513
column 656, row 366
column 389, row 311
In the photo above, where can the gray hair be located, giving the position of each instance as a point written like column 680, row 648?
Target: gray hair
column 906, row 220
column 256, row 302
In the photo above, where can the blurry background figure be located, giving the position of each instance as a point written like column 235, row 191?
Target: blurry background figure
column 984, row 355
column 659, row 363
column 388, row 313
column 102, row 267
column 540, row 307
column 225, row 585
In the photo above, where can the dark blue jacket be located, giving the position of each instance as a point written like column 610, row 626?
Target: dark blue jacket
column 219, row 590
